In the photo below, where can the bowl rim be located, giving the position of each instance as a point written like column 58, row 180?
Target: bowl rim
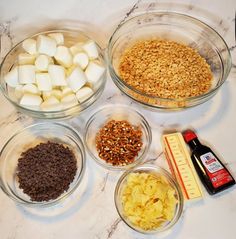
column 101, row 162
column 64, row 195
column 176, row 14
column 169, row 176
column 78, row 106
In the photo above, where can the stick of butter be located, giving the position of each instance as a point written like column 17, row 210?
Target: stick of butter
column 181, row 165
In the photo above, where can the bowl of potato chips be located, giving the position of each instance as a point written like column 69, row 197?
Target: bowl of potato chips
column 148, row 199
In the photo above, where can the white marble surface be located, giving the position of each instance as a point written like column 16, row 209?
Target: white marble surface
column 90, row 211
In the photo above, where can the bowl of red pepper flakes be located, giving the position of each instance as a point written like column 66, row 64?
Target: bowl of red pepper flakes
column 117, row 137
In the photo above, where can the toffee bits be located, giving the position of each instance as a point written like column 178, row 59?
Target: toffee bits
column 46, row 171
column 118, row 142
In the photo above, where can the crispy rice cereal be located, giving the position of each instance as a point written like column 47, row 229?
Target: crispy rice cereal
column 165, row 69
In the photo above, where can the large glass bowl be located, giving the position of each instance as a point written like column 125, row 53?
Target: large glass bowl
column 116, row 112
column 176, row 27
column 156, row 171
column 28, row 138
column 10, row 60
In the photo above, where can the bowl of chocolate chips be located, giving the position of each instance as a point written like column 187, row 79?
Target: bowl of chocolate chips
column 42, row 164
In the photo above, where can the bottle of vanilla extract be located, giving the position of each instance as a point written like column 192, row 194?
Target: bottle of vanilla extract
column 213, row 174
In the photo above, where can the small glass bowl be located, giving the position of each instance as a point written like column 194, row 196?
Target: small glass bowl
column 30, row 137
column 175, row 27
column 116, row 112
column 10, row 60
column 154, row 170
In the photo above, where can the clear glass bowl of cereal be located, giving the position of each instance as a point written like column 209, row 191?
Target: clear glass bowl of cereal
column 148, row 199
column 117, row 137
column 168, row 60
column 42, row 164
column 53, row 74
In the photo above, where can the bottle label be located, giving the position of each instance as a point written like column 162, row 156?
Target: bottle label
column 211, row 163
column 215, row 170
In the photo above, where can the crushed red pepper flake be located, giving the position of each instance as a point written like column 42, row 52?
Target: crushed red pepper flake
column 119, row 142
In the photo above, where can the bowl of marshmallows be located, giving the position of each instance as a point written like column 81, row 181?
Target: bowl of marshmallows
column 54, row 74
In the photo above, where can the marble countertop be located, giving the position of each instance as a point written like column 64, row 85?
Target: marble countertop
column 90, row 212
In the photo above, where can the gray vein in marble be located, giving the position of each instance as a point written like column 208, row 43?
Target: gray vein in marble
column 232, row 47
column 155, row 159
column 151, row 6
column 6, row 37
column 230, row 163
column 233, row 69
column 104, row 182
column 13, row 234
column 190, row 7
column 160, row 126
column 113, row 228
column 111, row 96
column 132, row 9
column 5, row 29
column 221, row 24
column 233, row 20
column 115, row 95
column 131, row 102
column 12, row 118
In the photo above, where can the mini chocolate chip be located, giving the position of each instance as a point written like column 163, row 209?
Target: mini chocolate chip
column 46, row 171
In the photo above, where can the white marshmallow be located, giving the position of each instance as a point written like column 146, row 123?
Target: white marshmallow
column 52, row 100
column 46, row 94
column 70, row 70
column 43, row 81
column 11, row 77
column 69, row 101
column 57, row 93
column 42, row 62
column 76, row 48
column 66, row 91
column 46, row 45
column 58, row 75
column 29, row 45
column 84, row 93
column 31, row 88
column 51, row 104
column 31, row 100
column 76, row 79
column 90, row 48
column 19, row 91
column 58, row 37
column 93, row 72
column 63, row 56
column 26, row 74
column 81, row 59
column 26, row 59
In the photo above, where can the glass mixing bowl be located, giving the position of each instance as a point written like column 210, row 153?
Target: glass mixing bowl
column 10, row 60
column 176, row 27
column 116, row 112
column 158, row 172
column 28, row 138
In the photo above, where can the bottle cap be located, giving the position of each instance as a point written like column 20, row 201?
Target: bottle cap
column 189, row 135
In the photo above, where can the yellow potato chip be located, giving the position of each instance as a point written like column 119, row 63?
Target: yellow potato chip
column 148, row 200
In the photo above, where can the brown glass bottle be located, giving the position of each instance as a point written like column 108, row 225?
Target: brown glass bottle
column 212, row 172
